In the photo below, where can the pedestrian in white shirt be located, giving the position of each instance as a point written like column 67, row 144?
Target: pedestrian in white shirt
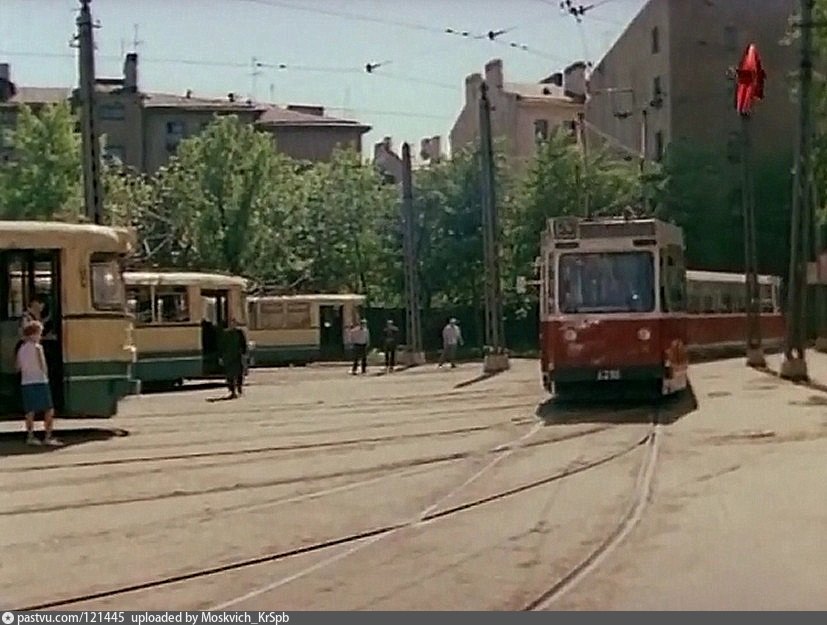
column 451, row 339
column 360, row 339
column 34, row 383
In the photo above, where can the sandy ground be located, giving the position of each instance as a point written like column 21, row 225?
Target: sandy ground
column 179, row 483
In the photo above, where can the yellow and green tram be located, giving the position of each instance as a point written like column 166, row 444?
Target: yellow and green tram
column 179, row 318
column 76, row 270
column 298, row 329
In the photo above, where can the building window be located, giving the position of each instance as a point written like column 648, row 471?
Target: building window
column 731, row 38
column 111, row 112
column 540, row 130
column 114, row 153
column 659, row 147
column 655, row 40
column 657, row 92
column 175, row 134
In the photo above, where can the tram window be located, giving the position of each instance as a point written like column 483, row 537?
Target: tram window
column 298, row 316
column 172, row 305
column 139, row 304
column 252, row 317
column 271, row 315
column 607, row 282
column 108, row 291
column 17, row 290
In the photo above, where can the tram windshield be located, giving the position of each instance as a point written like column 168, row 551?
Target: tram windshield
column 609, row 282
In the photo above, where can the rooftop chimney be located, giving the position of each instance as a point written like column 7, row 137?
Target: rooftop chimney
column 574, row 82
column 472, row 87
column 231, row 97
column 494, row 74
column 7, row 89
column 130, row 72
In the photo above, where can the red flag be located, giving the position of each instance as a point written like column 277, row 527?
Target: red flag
column 750, row 80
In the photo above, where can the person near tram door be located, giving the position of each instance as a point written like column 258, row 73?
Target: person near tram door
column 234, row 350
column 391, row 336
column 34, row 384
column 360, row 339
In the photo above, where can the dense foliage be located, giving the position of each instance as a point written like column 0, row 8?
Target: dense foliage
column 227, row 201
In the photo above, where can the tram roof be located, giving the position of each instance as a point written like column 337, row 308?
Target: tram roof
column 183, row 278
column 316, row 298
column 722, row 276
column 59, row 235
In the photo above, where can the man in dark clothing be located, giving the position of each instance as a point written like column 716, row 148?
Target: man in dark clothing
column 234, row 349
column 391, row 335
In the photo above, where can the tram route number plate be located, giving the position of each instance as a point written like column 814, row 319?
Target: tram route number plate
column 608, row 374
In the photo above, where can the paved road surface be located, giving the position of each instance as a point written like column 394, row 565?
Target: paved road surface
column 474, row 501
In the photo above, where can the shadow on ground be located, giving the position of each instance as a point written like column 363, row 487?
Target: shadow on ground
column 618, row 410
column 161, row 389
column 14, row 443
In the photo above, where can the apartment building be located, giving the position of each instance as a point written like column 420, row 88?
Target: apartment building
column 521, row 113
column 671, row 63
column 143, row 129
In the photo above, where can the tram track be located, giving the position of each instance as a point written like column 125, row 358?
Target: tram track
column 360, row 539
column 391, row 468
column 267, row 449
column 640, row 498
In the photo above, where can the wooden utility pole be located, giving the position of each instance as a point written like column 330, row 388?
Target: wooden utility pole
column 90, row 140
column 497, row 358
column 794, row 366
column 413, row 326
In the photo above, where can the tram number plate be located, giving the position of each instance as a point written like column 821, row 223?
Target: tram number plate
column 608, row 374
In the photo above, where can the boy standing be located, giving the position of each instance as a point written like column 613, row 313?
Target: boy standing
column 37, row 396
column 360, row 339
column 451, row 338
column 391, row 334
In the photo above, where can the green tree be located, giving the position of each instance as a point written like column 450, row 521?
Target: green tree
column 555, row 184
column 343, row 226
column 43, row 178
column 216, row 203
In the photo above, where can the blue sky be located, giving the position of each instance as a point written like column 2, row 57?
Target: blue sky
column 324, row 43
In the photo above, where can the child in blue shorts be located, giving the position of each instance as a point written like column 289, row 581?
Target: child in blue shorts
column 37, row 396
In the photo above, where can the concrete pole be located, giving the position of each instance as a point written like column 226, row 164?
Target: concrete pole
column 496, row 358
column 794, row 366
column 90, row 140
column 415, row 355
column 754, row 349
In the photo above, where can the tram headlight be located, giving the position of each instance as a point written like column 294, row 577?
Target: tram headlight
column 644, row 334
column 570, row 335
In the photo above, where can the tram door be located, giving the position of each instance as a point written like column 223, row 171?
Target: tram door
column 26, row 276
column 331, row 320
column 214, row 321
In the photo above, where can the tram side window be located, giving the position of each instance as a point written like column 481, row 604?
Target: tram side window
column 673, row 281
column 139, row 302
column 108, row 292
column 298, row 316
column 15, row 290
column 172, row 305
column 271, row 315
column 252, row 316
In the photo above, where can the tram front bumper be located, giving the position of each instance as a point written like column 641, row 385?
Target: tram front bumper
column 635, row 373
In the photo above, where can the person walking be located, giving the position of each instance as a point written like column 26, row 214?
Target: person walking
column 391, row 335
column 34, row 384
column 360, row 339
column 234, row 349
column 451, row 338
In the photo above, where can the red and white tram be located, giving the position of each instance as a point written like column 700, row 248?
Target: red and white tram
column 618, row 307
